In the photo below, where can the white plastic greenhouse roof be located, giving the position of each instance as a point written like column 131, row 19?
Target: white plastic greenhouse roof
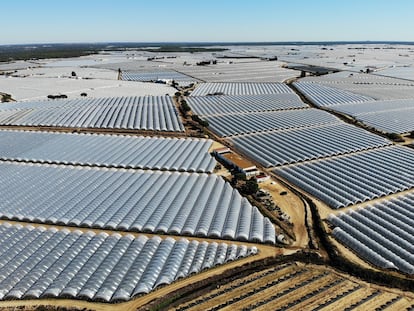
column 385, row 230
column 156, row 113
column 174, row 154
column 396, row 121
column 372, row 86
column 391, row 116
column 355, row 78
column 51, row 263
column 387, row 92
column 218, row 105
column 134, row 200
column 156, row 75
column 403, row 72
column 240, row 88
column 350, row 179
column 375, row 106
column 255, row 122
column 290, row 146
column 322, row 95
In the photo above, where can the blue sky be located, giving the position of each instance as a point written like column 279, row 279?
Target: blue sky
column 44, row 21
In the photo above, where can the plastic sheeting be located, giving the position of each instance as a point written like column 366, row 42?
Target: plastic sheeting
column 255, row 122
column 156, row 75
column 142, row 201
column 323, row 96
column 390, row 116
column 384, row 229
column 218, row 105
column 290, row 146
column 155, row 113
column 49, row 263
column 240, row 88
column 108, row 150
column 351, row 179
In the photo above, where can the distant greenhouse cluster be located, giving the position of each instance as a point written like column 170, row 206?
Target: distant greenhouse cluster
column 51, row 263
column 240, row 71
column 156, row 153
column 142, row 201
column 158, row 76
column 355, row 178
column 153, row 113
column 381, row 233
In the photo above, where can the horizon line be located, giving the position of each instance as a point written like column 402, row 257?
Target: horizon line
column 343, row 42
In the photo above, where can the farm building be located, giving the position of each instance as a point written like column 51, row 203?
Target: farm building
column 235, row 161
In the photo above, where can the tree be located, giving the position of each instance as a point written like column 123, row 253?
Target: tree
column 185, row 107
column 73, row 74
column 395, row 137
column 5, row 98
column 239, row 176
column 199, row 120
column 250, row 187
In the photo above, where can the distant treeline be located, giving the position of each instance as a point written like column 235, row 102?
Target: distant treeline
column 29, row 52
column 41, row 51
column 181, row 49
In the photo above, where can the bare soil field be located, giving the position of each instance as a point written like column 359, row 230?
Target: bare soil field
column 296, row 286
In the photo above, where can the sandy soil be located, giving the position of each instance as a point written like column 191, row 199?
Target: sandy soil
column 293, row 206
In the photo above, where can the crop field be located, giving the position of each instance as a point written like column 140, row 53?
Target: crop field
column 297, row 287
